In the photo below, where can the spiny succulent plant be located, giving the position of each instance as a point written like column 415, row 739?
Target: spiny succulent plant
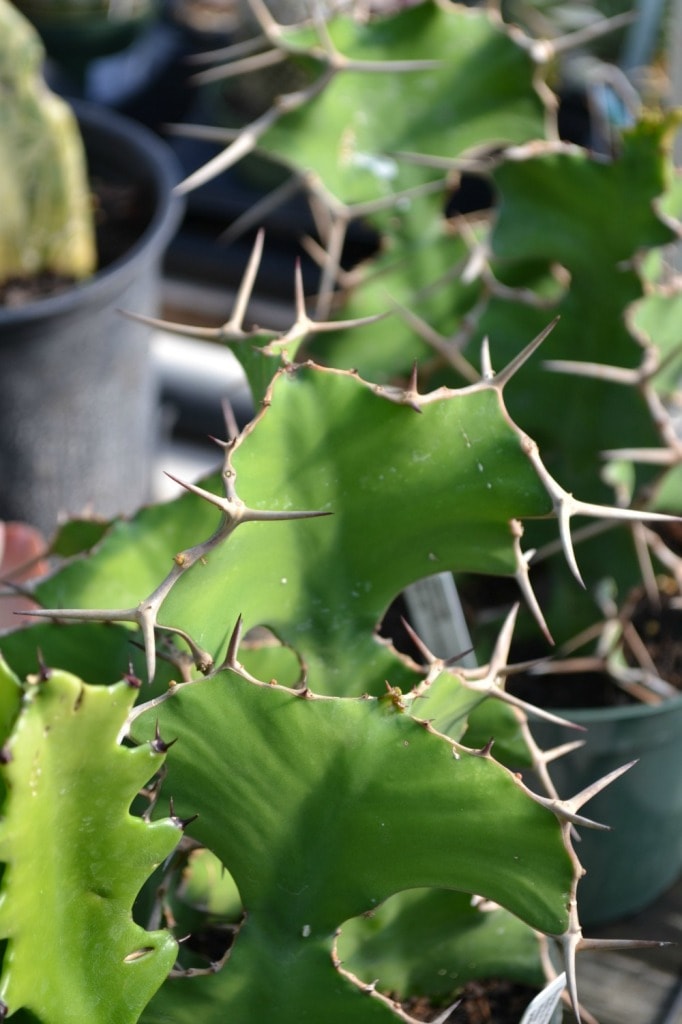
column 324, row 791
column 368, row 142
column 47, row 223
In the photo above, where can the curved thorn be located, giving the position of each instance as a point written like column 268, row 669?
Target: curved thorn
column 522, row 577
column 564, row 522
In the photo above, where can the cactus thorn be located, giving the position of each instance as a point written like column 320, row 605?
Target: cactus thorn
column 570, row 942
column 44, row 671
column 426, row 654
column 159, row 745
column 487, row 372
column 453, row 660
column 502, row 378
column 566, row 748
column 213, row 499
column 234, row 642
column 444, row 1017
column 231, row 425
column 131, row 678
column 522, row 577
column 6, row 757
column 414, row 374
column 224, row 445
column 180, row 823
column 411, row 393
column 587, row 794
column 486, row 749
column 616, row 944
column 252, row 515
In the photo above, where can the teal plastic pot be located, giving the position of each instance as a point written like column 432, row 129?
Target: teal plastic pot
column 630, row 866
column 78, row 392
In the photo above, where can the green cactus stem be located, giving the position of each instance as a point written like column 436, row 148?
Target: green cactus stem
column 75, row 858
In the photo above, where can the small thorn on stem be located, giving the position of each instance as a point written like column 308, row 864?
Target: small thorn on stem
column 233, row 645
column 44, row 671
column 231, row 425
column 131, row 678
column 159, row 745
column 181, row 823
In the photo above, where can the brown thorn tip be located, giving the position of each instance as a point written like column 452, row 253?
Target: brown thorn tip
column 44, row 671
column 130, row 678
column 235, row 639
column 159, row 745
column 181, row 823
column 452, row 661
column 426, row 654
column 221, row 444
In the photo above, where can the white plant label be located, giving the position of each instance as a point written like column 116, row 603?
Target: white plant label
column 541, row 1010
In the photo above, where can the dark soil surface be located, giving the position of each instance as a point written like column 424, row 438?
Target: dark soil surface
column 481, row 1002
column 659, row 629
column 120, row 217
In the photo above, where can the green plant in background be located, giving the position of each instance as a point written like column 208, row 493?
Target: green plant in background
column 331, row 797
column 554, row 243
column 47, row 223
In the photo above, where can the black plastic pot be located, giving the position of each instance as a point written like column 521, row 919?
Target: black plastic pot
column 78, row 398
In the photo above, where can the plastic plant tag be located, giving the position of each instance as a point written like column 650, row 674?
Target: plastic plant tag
column 541, row 1010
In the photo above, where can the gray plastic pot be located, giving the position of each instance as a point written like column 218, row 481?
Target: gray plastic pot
column 634, row 863
column 78, row 398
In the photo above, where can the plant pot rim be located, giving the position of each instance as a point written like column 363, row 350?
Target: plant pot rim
column 150, row 155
